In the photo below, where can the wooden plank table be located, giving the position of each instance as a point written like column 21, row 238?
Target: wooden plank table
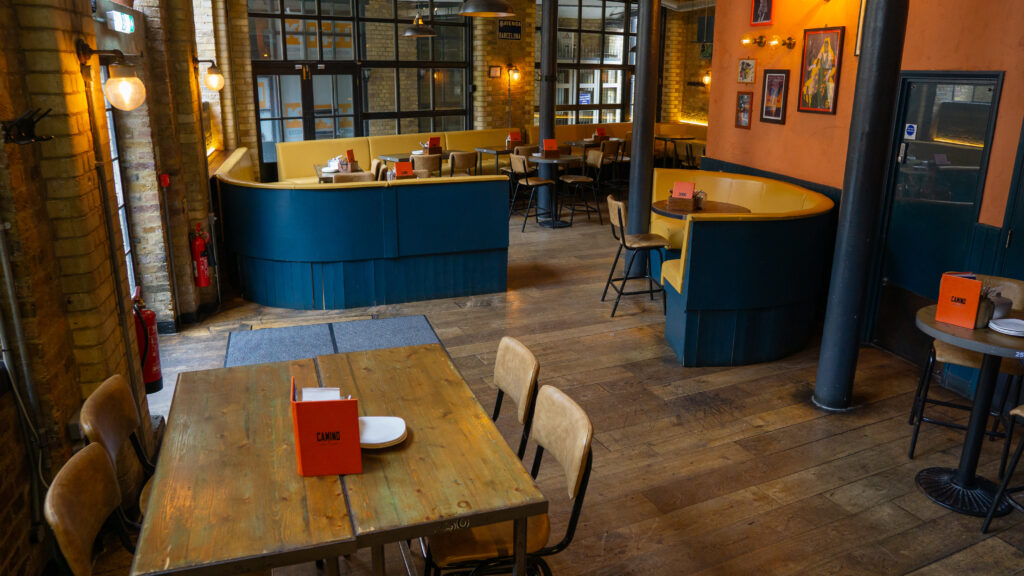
column 453, row 471
column 227, row 496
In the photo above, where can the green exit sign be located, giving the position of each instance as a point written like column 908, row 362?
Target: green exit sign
column 120, row 22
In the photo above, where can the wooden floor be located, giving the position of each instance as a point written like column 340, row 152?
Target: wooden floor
column 711, row 471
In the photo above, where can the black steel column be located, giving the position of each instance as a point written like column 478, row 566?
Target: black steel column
column 548, row 75
column 641, row 165
column 878, row 71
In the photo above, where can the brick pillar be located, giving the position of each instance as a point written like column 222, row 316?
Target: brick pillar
column 673, row 60
column 221, row 34
column 240, row 62
column 694, row 103
column 206, row 49
column 490, row 101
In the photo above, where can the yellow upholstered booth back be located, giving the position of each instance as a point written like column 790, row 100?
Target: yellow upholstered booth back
column 469, row 140
column 400, row 143
column 295, row 160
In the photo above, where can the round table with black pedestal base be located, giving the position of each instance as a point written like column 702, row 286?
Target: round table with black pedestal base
column 554, row 222
column 960, row 489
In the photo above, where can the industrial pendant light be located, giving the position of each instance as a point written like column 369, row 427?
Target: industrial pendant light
column 419, row 29
column 486, row 9
column 123, row 89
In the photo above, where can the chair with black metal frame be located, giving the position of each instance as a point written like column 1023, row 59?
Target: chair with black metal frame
column 950, row 354
column 524, row 180
column 515, row 374
column 1004, row 489
column 577, row 182
column 508, row 171
column 562, row 428
column 634, row 243
column 82, row 499
column 108, row 417
column 429, row 162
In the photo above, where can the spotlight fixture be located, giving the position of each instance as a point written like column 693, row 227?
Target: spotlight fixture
column 419, row 29
column 749, row 40
column 123, row 89
column 214, row 77
column 486, row 9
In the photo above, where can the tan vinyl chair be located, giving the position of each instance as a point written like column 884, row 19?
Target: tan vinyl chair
column 561, row 428
column 1004, row 490
column 531, row 183
column 515, row 374
column 428, row 162
column 950, row 354
column 649, row 243
column 375, row 167
column 354, row 177
column 109, row 416
column 464, row 162
column 594, row 162
column 81, row 498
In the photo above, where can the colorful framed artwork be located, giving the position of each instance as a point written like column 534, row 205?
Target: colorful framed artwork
column 820, row 67
column 761, row 12
column 774, row 94
column 744, row 103
column 860, row 28
column 746, row 73
column 494, row 72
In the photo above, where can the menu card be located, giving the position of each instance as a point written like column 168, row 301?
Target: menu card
column 550, row 144
column 434, row 142
column 959, row 295
column 515, row 136
column 403, row 168
column 351, row 156
column 600, row 132
column 326, row 429
column 683, row 190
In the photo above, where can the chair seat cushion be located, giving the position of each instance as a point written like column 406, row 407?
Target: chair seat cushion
column 645, row 241
column 490, row 541
column 576, row 179
column 949, row 354
column 532, row 181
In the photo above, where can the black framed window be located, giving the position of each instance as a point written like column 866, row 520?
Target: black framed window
column 595, row 63
column 122, row 200
column 341, row 68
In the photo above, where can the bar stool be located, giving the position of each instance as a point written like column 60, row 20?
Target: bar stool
column 1015, row 414
column 636, row 242
column 524, row 180
column 578, row 181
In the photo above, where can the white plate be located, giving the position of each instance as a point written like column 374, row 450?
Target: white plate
column 381, row 431
column 328, row 170
column 417, row 152
column 1009, row 326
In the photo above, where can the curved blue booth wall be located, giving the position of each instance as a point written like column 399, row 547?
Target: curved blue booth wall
column 328, row 248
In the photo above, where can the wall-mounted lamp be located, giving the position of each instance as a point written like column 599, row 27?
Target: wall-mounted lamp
column 706, row 79
column 751, row 40
column 775, row 42
column 123, row 89
column 513, row 74
column 214, row 77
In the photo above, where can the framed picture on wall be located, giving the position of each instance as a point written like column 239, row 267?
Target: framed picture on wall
column 760, row 12
column 746, row 73
column 774, row 94
column 820, row 66
column 744, row 103
column 494, row 72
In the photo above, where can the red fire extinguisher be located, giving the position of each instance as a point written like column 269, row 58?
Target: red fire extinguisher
column 149, row 351
column 200, row 258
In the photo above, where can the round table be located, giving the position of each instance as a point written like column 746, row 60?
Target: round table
column 537, row 158
column 960, row 489
column 685, row 208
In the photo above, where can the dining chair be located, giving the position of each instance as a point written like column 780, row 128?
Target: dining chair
column 635, row 243
column 464, row 162
column 375, row 167
column 561, row 428
column 508, row 171
column 82, row 498
column 429, row 162
column 531, row 183
column 353, row 177
column 950, row 354
column 515, row 374
column 576, row 183
column 108, row 417
column 1004, row 490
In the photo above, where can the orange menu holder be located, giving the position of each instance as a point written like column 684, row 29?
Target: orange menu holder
column 681, row 192
column 326, row 436
column 403, row 168
column 600, row 135
column 513, row 138
column 434, row 145
column 550, row 148
column 959, row 295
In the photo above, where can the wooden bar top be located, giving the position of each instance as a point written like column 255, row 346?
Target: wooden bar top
column 453, row 470
column 227, row 496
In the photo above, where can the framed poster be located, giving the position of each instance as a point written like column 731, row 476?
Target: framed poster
column 774, row 94
column 744, row 101
column 494, row 72
column 760, row 12
column 746, row 73
column 820, row 66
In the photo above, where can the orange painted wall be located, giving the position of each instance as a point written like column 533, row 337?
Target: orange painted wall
column 941, row 35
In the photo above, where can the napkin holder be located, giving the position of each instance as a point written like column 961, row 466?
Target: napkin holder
column 959, row 300
column 326, row 436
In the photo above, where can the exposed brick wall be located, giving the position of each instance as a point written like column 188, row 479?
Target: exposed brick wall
column 694, row 103
column 672, row 67
column 206, row 49
column 491, row 101
column 18, row 555
column 244, row 106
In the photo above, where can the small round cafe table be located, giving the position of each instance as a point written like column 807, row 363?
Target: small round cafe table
column 684, row 208
column 554, row 222
column 960, row 489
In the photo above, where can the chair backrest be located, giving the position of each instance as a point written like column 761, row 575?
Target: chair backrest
column 109, row 415
column 564, row 430
column 375, row 165
column 518, row 163
column 353, row 177
column 1008, row 287
column 594, row 158
column 80, row 499
column 525, row 150
column 465, row 161
column 617, row 218
column 515, row 374
column 430, row 162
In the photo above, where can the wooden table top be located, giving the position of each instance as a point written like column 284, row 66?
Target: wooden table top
column 227, row 495
column 984, row 340
column 673, row 138
column 710, row 207
column 407, row 156
column 564, row 159
column 494, row 150
column 454, row 470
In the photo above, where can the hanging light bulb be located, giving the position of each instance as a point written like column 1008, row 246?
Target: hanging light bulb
column 419, row 29
column 706, row 80
column 214, row 78
column 124, row 90
column 486, row 9
column 515, row 73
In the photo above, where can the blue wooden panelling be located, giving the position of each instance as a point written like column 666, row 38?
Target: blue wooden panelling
column 446, row 275
column 984, row 251
column 426, row 215
column 282, row 284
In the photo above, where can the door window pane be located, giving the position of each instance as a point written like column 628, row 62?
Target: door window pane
column 565, row 87
column 291, row 96
column 267, row 6
column 415, row 84
column 587, row 117
column 614, row 17
column 345, row 126
column 413, row 49
column 590, row 48
column 588, row 88
column 323, row 128
column 613, row 49
column 611, row 86
column 380, row 127
column 337, row 41
column 379, row 90
column 448, row 88
column 268, row 97
column 378, row 40
column 376, row 9
column 609, row 116
column 590, row 18
column 300, row 39
column 566, row 46
column 415, row 125
column 344, row 94
column 264, row 39
column 449, row 123
column 450, row 44
column 568, row 14
column 335, row 7
column 300, row 6
column 270, row 132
